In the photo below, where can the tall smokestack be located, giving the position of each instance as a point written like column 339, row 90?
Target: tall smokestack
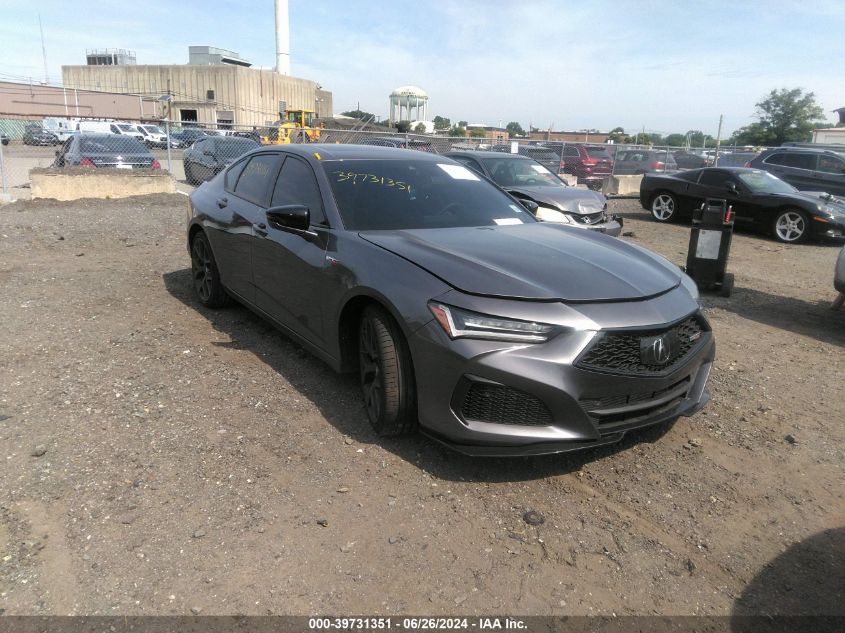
column 282, row 38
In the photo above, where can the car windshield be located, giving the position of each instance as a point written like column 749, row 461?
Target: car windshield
column 417, row 194
column 126, row 127
column 234, row 146
column 153, row 129
column 764, row 182
column 597, row 152
column 112, row 145
column 508, row 172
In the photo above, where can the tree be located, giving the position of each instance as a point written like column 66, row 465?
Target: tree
column 676, row 140
column 419, row 128
column 462, row 124
column 457, row 130
column 442, row 123
column 403, row 127
column 784, row 115
column 617, row 135
column 514, row 129
column 477, row 132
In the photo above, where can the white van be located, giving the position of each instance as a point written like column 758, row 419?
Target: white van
column 98, row 127
column 153, row 135
column 130, row 130
column 59, row 127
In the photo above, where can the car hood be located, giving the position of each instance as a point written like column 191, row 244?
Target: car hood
column 538, row 261
column 569, row 199
column 821, row 196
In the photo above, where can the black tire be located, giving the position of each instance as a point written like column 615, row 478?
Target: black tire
column 189, row 174
column 205, row 275
column 663, row 206
column 387, row 375
column 791, row 226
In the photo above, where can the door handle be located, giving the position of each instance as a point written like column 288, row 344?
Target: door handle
column 222, row 202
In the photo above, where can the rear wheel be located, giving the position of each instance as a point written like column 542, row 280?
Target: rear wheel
column 387, row 377
column 791, row 226
column 664, row 207
column 205, row 275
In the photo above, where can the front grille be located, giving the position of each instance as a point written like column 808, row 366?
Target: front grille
column 499, row 404
column 619, row 352
column 614, row 411
column 588, row 218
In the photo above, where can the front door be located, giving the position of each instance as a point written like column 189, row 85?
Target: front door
column 288, row 266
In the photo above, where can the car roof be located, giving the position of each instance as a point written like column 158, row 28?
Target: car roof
column 811, row 150
column 332, row 151
column 484, row 154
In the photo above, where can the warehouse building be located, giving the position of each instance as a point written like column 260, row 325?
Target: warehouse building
column 216, row 87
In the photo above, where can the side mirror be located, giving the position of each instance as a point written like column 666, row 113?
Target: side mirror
column 529, row 205
column 289, row 217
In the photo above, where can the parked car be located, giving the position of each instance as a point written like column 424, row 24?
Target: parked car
column 98, row 127
column 187, row 136
column 399, row 142
column 804, row 168
column 34, row 134
column 463, row 316
column 591, row 164
column 756, row 196
column 129, row 129
column 839, row 279
column 4, row 140
column 154, row 136
column 209, row 156
column 685, row 159
column 546, row 156
column 736, row 159
column 525, row 179
column 643, row 161
column 105, row 150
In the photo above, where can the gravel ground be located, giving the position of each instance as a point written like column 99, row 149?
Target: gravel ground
column 160, row 458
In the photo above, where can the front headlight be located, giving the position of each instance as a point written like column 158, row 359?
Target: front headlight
column 547, row 214
column 459, row 323
column 689, row 284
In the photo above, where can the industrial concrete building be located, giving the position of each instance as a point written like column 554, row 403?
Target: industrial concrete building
column 217, row 94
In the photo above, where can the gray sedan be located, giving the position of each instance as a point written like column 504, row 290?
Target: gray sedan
column 556, row 201
column 463, row 316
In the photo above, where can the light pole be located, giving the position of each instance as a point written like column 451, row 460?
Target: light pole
column 166, row 100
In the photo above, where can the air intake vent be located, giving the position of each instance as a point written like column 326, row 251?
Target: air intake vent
column 499, row 404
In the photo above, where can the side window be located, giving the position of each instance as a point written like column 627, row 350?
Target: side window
column 570, row 150
column 232, row 175
column 469, row 162
column 831, row 165
column 114, row 129
column 256, row 178
column 298, row 185
column 713, row 178
column 798, row 160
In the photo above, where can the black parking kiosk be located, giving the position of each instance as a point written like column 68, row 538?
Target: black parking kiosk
column 709, row 244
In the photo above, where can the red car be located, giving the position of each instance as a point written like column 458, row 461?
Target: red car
column 590, row 163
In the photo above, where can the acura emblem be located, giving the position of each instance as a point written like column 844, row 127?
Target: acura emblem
column 660, row 349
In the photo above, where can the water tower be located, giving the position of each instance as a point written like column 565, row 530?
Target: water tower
column 408, row 103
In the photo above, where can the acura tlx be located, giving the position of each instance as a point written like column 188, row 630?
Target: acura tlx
column 465, row 317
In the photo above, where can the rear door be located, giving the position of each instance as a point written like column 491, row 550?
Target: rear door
column 240, row 219
column 796, row 168
column 830, row 172
column 288, row 266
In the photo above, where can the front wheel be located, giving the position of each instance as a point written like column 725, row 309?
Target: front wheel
column 664, row 207
column 791, row 226
column 387, row 377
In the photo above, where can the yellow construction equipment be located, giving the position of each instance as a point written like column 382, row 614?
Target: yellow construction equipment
column 296, row 126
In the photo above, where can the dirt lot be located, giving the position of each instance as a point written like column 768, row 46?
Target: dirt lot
column 159, row 458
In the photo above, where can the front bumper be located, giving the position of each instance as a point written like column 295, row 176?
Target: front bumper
column 613, row 226
column 447, row 369
column 827, row 228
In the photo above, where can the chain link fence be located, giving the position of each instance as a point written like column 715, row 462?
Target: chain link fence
column 194, row 153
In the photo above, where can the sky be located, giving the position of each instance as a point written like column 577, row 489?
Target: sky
column 666, row 66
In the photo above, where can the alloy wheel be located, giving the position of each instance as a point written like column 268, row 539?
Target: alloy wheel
column 370, row 363
column 201, row 269
column 790, row 226
column 663, row 207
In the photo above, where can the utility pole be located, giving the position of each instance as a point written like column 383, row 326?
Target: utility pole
column 718, row 141
column 43, row 51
